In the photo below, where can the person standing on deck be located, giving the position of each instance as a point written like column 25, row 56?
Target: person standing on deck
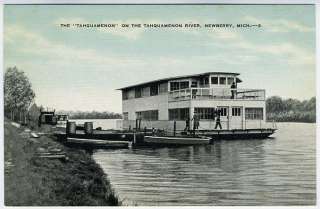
column 196, row 121
column 187, row 128
column 233, row 90
column 218, row 121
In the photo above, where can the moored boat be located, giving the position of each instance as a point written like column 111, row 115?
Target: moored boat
column 94, row 143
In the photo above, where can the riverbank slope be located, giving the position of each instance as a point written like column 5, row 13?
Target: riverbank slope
column 33, row 181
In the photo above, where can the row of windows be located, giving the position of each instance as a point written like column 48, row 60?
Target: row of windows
column 176, row 85
column 203, row 113
column 179, row 114
column 222, row 80
column 203, row 82
column 156, row 89
column 152, row 90
column 210, row 113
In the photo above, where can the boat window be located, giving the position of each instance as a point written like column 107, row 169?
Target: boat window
column 214, row 80
column 148, row 115
column 184, row 84
column 205, row 113
column 125, row 116
column 223, row 111
column 146, row 91
column 124, row 95
column 194, row 84
column 174, row 86
column 179, row 85
column 230, row 80
column 163, row 88
column 254, row 113
column 137, row 93
column 154, row 90
column 204, row 81
column 222, row 80
column 236, row 111
column 179, row 114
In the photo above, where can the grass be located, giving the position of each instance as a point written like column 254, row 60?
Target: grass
column 34, row 181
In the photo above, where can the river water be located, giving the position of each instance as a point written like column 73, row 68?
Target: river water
column 275, row 171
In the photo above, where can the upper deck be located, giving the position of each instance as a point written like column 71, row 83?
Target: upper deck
column 216, row 94
column 211, row 85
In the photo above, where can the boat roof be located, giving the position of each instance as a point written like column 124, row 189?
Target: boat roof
column 181, row 77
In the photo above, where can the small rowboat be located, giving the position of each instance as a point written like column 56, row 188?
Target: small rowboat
column 176, row 140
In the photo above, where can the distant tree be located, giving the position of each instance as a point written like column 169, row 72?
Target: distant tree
column 279, row 109
column 18, row 93
column 275, row 104
column 91, row 115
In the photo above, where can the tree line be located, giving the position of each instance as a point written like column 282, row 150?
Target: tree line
column 90, row 114
column 291, row 110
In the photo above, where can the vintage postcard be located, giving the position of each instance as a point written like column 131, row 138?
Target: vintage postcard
column 159, row 104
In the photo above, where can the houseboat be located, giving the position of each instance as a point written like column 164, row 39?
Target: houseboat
column 176, row 103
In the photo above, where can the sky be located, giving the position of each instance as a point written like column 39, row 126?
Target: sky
column 81, row 68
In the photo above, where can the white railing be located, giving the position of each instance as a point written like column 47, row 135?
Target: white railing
column 217, row 94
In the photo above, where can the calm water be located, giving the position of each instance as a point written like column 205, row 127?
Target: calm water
column 278, row 171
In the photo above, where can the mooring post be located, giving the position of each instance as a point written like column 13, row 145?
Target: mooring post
column 260, row 124
column 174, row 127
column 140, row 124
column 137, row 124
column 134, row 137
column 145, row 130
column 129, row 128
column 67, row 128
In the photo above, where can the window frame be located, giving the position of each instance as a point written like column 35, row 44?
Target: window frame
column 148, row 115
column 176, row 87
column 154, row 90
column 178, row 114
column 125, row 95
column 257, row 114
column 125, row 115
column 228, row 78
column 214, row 77
column 226, row 111
column 222, row 78
column 236, row 111
column 138, row 92
column 205, row 113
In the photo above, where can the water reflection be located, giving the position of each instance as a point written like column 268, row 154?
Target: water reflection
column 278, row 171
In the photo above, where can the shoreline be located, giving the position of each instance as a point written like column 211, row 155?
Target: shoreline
column 32, row 180
column 268, row 121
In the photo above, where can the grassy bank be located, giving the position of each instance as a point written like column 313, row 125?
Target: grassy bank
column 33, row 181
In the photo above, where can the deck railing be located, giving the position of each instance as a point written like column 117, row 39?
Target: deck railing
column 180, row 125
column 216, row 94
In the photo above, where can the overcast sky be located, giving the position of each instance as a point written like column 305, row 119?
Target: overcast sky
column 79, row 69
